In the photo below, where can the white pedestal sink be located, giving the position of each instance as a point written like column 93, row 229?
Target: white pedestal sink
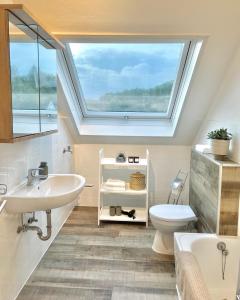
column 57, row 190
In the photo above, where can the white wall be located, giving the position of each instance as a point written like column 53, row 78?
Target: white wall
column 225, row 110
column 165, row 161
column 20, row 253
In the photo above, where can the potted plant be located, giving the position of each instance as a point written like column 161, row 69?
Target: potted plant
column 219, row 141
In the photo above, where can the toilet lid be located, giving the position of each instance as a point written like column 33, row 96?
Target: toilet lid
column 171, row 212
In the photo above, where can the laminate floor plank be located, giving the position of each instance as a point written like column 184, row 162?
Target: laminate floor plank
column 114, row 261
column 118, row 240
column 104, row 252
column 142, row 294
column 109, row 278
column 63, row 293
column 96, row 264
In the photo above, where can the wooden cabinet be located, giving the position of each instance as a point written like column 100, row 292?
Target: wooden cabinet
column 28, row 87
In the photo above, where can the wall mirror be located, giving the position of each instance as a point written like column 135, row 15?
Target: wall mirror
column 30, row 85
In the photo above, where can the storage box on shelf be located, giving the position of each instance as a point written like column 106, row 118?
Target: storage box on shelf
column 127, row 198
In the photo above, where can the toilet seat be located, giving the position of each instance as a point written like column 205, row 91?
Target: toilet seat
column 167, row 219
column 172, row 213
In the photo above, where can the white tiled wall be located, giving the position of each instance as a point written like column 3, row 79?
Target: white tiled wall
column 165, row 161
column 20, row 253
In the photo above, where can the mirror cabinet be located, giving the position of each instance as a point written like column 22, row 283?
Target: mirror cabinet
column 28, row 85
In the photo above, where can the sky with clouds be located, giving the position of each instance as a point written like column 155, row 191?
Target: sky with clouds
column 104, row 68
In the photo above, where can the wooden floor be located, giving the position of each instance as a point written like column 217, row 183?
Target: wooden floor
column 114, row 262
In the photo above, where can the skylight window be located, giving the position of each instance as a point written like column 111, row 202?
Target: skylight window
column 129, row 79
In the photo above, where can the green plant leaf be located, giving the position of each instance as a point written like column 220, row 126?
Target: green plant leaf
column 220, row 134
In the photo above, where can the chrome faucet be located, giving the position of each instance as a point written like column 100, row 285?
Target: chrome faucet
column 68, row 149
column 33, row 175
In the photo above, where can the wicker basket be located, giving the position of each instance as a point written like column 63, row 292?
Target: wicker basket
column 137, row 181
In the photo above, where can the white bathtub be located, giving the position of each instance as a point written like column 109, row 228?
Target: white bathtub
column 204, row 248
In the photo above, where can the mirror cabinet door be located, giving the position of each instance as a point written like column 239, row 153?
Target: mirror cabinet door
column 24, row 66
column 48, row 87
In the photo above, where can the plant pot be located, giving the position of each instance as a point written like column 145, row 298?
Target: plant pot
column 219, row 147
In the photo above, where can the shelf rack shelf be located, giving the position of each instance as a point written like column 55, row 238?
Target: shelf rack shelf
column 121, row 197
column 111, row 163
column 140, row 215
column 125, row 192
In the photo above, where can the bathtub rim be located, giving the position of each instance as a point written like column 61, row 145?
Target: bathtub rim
column 183, row 240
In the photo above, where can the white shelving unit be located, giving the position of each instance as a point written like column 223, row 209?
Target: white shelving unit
column 128, row 199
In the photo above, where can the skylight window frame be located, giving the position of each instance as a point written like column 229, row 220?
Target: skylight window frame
column 188, row 46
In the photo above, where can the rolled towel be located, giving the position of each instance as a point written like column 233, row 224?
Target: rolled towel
column 115, row 183
column 190, row 281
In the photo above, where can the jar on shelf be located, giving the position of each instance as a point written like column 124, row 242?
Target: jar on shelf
column 137, row 181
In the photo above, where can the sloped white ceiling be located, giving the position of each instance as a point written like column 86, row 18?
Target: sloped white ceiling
column 216, row 19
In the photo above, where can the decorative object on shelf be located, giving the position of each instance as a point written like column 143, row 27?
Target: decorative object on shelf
column 115, row 211
column 130, row 214
column 136, row 159
column 118, row 210
column 131, row 159
column 121, row 158
column 219, row 142
column 112, row 211
column 137, row 181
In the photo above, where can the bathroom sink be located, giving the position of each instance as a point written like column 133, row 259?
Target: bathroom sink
column 55, row 191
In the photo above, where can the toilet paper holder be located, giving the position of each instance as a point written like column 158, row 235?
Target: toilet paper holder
column 177, row 186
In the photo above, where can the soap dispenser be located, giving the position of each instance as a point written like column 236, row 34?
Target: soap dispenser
column 43, row 169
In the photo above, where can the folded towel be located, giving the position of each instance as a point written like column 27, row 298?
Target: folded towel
column 190, row 281
column 115, row 183
column 114, row 188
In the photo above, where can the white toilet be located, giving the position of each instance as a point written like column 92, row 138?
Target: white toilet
column 167, row 219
